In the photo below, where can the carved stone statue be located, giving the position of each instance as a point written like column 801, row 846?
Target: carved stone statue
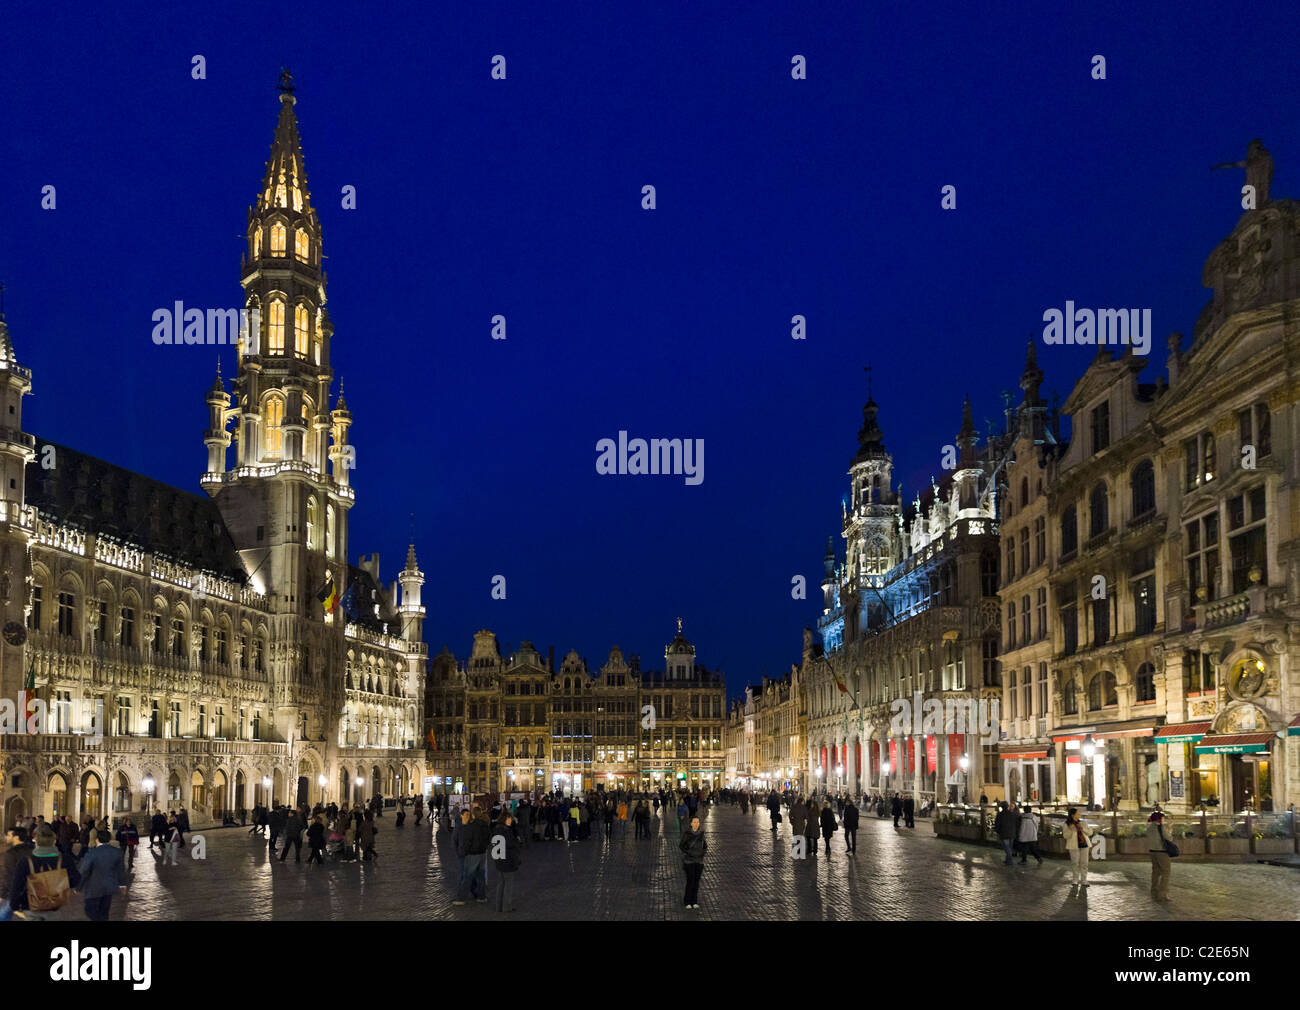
column 1259, row 169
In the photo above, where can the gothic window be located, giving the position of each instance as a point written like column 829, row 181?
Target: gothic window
column 1069, row 531
column 1142, row 481
column 257, row 242
column 178, row 637
column 278, row 237
column 300, row 329
column 302, row 244
column 1098, row 510
column 1102, row 692
column 275, row 327
column 274, row 414
column 281, row 193
column 67, row 615
column 1145, row 683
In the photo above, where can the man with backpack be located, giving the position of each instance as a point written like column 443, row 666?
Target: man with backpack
column 43, row 881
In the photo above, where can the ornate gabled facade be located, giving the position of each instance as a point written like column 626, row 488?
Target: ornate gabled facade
column 197, row 625
column 1175, row 558
column 910, row 615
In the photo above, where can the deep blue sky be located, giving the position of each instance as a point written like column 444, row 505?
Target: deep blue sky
column 522, row 197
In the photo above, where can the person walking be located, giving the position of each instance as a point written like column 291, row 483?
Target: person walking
column 909, row 811
column 896, row 808
column 292, row 836
column 366, row 832
column 811, row 825
column 43, row 856
column 798, row 819
column 158, row 829
column 276, row 822
column 316, row 840
column 683, row 812
column 1161, row 863
column 1076, row 843
column 774, row 808
column 102, row 876
column 477, row 837
column 129, row 839
column 828, row 825
column 1027, row 835
column 505, row 860
column 693, row 847
column 1007, row 826
column 175, row 840
column 850, row 823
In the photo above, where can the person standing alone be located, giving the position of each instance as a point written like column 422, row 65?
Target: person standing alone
column 1160, row 855
column 693, row 847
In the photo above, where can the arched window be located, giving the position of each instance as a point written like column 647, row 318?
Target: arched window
column 1102, row 692
column 300, row 331
column 1070, row 697
column 274, row 415
column 313, row 523
column 1145, row 683
column 281, row 193
column 1069, row 531
column 1099, row 511
column 302, row 244
column 279, row 235
column 1142, row 481
column 275, row 328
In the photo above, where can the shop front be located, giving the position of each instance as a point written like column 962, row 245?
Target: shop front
column 1189, row 781
column 1243, row 764
column 1027, row 774
column 1111, row 766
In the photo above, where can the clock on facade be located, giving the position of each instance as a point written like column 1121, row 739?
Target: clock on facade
column 15, row 633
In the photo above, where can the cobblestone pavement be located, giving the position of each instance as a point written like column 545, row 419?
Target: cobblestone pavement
column 748, row 875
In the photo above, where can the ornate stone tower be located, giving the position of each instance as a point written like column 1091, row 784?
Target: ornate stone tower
column 285, row 501
column 17, row 449
column 873, row 544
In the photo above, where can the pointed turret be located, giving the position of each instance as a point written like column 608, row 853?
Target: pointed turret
column 17, row 448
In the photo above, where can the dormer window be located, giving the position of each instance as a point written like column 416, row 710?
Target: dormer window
column 1100, row 424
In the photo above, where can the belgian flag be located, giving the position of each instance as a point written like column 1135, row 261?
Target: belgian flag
column 328, row 595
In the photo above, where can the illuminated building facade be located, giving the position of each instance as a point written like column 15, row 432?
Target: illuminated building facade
column 193, row 624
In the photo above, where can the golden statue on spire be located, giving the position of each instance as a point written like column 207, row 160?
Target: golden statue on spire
column 679, row 625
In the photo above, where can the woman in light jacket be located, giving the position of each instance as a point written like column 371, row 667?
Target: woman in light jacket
column 1077, row 839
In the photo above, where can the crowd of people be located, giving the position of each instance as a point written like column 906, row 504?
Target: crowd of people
column 499, row 830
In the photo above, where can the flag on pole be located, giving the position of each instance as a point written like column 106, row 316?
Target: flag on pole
column 328, row 595
column 29, row 694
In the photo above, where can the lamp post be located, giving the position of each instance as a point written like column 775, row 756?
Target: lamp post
column 884, row 770
column 148, row 784
column 1089, row 753
column 321, row 780
column 266, row 785
column 965, row 780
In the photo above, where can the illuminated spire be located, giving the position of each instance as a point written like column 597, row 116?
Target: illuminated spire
column 285, row 182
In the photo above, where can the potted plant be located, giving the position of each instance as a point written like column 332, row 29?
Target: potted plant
column 1272, row 840
column 1132, row 840
column 1052, row 839
column 1226, row 841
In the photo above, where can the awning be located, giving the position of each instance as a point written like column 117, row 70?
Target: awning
column 1016, row 755
column 1238, row 743
column 1108, row 731
column 1183, row 732
column 1294, row 728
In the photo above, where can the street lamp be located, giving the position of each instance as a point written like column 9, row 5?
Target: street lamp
column 965, row 792
column 884, row 770
column 266, row 785
column 148, row 784
column 1089, row 752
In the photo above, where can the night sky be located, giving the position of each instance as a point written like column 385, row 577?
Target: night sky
column 522, row 197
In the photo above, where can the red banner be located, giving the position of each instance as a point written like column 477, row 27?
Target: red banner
column 857, row 759
column 956, row 747
column 932, row 754
column 893, row 754
column 911, row 755
column 875, row 758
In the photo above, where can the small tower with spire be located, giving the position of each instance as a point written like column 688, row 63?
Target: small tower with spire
column 679, row 656
column 411, row 610
column 17, row 448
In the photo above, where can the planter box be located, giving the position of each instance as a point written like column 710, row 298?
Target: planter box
column 1053, row 845
column 1190, row 846
column 1227, row 846
column 1272, row 846
column 1133, row 847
